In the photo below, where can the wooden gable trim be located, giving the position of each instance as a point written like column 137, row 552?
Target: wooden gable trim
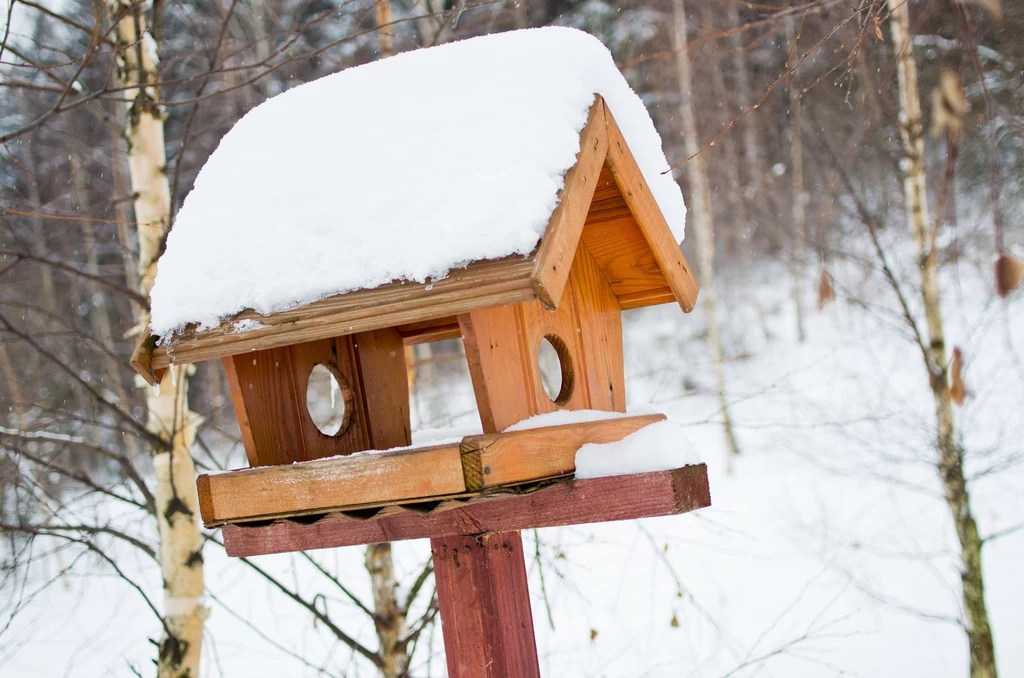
column 562, row 235
column 652, row 222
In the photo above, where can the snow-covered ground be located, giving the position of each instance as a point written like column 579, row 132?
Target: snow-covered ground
column 828, row 550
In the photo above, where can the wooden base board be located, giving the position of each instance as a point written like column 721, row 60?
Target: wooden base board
column 567, row 502
column 480, row 463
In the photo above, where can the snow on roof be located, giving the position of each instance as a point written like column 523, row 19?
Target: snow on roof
column 400, row 169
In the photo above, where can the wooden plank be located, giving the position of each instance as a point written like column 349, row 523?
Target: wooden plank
column 485, row 283
column 337, row 355
column 385, row 387
column 329, row 484
column 599, row 316
column 661, row 295
column 503, row 459
column 556, row 249
column 650, row 219
column 479, row 642
column 620, row 248
column 235, row 388
column 537, row 323
column 570, row 502
column 427, row 331
column 267, row 385
column 497, row 366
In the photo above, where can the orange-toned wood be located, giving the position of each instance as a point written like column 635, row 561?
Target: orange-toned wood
column 537, row 323
column 235, row 387
column 662, row 295
column 619, row 246
column 498, row 367
column 430, row 330
column 337, row 354
column 554, row 254
column 505, row 459
column 380, row 356
column 650, row 219
column 481, row 284
column 266, row 384
column 330, row 484
column 599, row 316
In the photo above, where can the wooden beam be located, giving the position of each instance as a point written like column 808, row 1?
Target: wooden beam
column 504, row 459
column 481, row 284
column 569, row 502
column 427, row 331
column 648, row 216
column 493, row 637
column 329, row 484
column 479, row 463
column 558, row 247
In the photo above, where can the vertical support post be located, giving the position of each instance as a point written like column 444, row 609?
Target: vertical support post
column 484, row 599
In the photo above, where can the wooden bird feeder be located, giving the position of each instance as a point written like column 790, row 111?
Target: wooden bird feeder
column 607, row 247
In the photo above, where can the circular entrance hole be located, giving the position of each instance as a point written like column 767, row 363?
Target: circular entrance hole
column 556, row 370
column 328, row 400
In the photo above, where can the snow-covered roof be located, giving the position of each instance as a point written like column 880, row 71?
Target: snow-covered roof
column 400, row 169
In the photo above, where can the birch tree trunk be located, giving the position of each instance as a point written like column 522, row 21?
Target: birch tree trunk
column 181, row 560
column 700, row 209
column 798, row 254
column 950, row 462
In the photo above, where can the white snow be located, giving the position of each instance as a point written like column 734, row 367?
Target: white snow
column 400, row 169
column 561, row 418
column 657, row 447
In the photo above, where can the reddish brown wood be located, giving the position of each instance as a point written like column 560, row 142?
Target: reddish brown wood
column 266, row 384
column 337, row 355
column 385, row 387
column 569, row 502
column 487, row 623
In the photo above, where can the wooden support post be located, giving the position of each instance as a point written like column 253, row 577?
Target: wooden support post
column 484, row 599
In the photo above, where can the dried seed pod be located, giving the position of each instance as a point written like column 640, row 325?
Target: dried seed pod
column 825, row 291
column 1009, row 271
column 957, row 390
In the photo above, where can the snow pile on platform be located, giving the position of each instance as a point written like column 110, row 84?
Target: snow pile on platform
column 400, row 169
column 658, row 447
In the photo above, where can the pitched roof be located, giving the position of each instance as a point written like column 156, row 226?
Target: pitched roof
column 401, row 169
column 605, row 199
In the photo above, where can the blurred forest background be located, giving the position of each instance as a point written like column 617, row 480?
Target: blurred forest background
column 799, row 123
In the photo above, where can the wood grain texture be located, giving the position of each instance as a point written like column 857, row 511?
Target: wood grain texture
column 617, row 243
column 329, row 484
column 338, row 356
column 497, row 366
column 570, row 502
column 599, row 318
column 483, row 597
column 266, row 384
column 385, row 387
column 427, row 331
column 649, row 218
column 557, row 247
column 505, row 459
column 481, row 284
column 241, row 413
column 536, row 323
